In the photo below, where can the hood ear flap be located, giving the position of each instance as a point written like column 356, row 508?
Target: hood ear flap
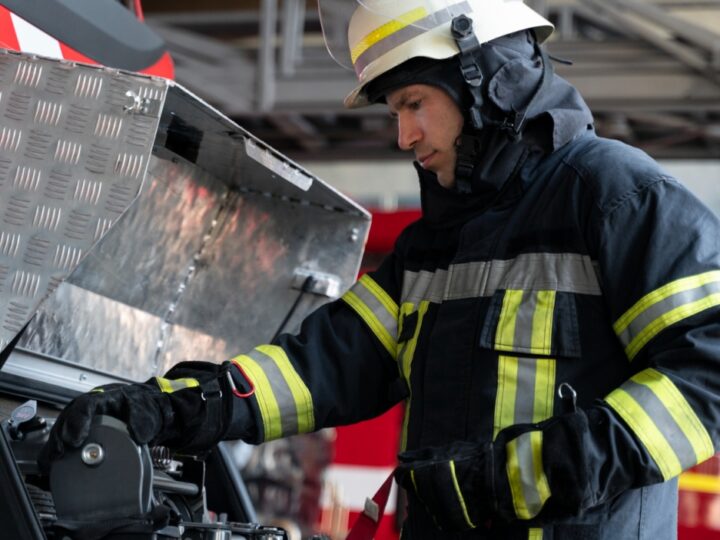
column 513, row 85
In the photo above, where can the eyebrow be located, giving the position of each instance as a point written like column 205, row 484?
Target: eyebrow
column 406, row 96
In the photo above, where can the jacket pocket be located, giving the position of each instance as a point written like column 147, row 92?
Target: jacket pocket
column 532, row 322
column 529, row 330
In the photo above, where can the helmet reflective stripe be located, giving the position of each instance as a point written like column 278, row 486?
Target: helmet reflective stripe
column 383, row 35
column 395, row 33
column 386, row 30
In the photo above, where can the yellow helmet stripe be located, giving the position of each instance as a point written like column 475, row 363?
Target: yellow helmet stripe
column 400, row 30
column 387, row 29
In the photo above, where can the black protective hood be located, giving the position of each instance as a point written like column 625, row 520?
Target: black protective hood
column 445, row 74
column 516, row 70
column 513, row 72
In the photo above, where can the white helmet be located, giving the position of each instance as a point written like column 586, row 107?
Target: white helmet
column 382, row 34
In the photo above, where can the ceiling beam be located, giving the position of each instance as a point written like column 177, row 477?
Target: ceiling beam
column 648, row 73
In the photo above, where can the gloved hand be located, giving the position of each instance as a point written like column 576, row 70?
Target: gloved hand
column 193, row 407
column 452, row 482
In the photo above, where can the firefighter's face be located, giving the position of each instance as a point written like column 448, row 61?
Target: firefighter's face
column 429, row 123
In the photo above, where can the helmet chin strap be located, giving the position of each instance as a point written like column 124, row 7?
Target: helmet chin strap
column 471, row 146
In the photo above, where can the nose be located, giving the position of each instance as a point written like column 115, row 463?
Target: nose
column 409, row 132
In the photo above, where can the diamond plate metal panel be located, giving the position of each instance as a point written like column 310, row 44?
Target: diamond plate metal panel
column 113, row 312
column 163, row 230
column 73, row 153
column 193, row 270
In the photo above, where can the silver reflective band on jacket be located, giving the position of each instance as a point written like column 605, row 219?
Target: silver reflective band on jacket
column 562, row 272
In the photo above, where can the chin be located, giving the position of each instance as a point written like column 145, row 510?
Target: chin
column 446, row 182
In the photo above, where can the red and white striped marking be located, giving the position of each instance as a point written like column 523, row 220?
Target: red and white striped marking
column 365, row 455
column 17, row 34
column 32, row 40
column 357, row 482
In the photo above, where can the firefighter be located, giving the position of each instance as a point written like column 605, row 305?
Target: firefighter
column 551, row 322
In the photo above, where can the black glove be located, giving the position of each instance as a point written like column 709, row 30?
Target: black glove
column 192, row 408
column 452, row 482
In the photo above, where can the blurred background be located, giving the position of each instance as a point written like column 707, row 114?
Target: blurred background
column 649, row 69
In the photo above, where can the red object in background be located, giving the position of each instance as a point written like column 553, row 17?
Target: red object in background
column 699, row 506
column 138, row 10
column 365, row 453
column 8, row 37
column 386, row 227
column 19, row 35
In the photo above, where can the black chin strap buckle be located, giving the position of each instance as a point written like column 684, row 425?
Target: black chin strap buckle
column 466, row 150
column 464, row 36
column 463, row 176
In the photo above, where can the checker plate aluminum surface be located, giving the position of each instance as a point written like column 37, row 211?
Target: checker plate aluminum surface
column 140, row 227
column 73, row 157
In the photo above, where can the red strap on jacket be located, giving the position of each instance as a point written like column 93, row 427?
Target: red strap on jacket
column 367, row 524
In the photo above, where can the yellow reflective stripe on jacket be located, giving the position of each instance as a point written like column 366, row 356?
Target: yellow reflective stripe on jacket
column 459, row 495
column 507, row 323
column 377, row 309
column 542, row 323
column 406, row 351
column 526, row 386
column 526, row 391
column 535, row 534
column 405, row 358
column 544, row 392
column 663, row 420
column 173, row 385
column 285, row 402
column 268, row 405
column 526, row 322
column 528, row 484
column 666, row 306
column 417, row 492
column 506, row 393
column 301, row 397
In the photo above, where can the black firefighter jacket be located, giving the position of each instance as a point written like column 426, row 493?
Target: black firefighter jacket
column 590, row 267
column 596, row 269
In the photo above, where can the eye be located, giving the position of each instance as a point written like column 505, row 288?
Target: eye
column 414, row 105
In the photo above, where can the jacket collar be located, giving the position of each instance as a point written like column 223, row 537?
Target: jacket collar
column 562, row 116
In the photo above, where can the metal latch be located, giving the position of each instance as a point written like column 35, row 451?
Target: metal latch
column 321, row 283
